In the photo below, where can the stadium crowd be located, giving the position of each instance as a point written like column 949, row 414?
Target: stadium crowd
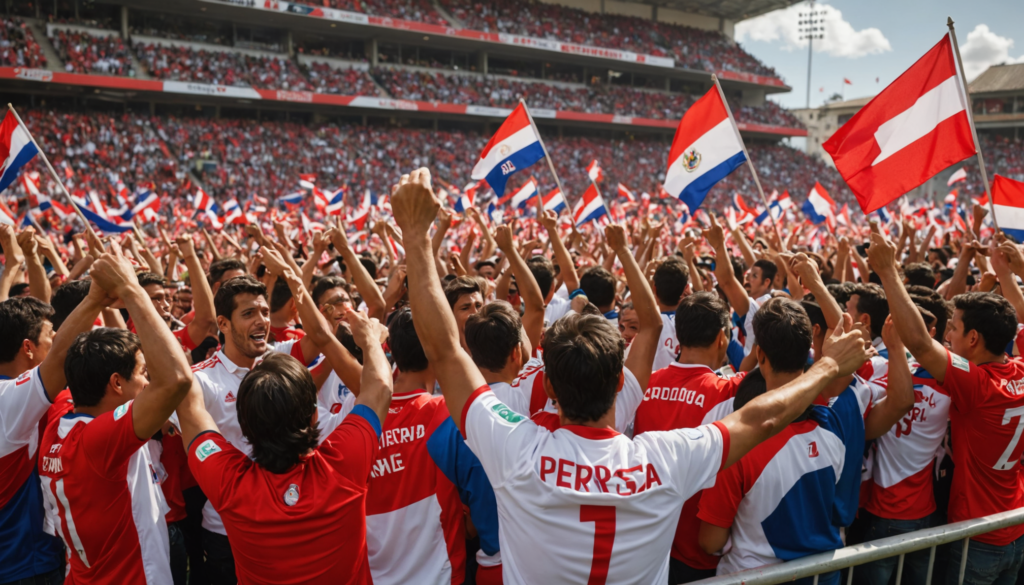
column 432, row 397
column 82, row 52
column 181, row 63
column 345, row 81
column 691, row 48
column 18, row 47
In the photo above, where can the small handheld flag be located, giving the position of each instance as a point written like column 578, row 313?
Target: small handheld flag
column 16, row 149
column 589, row 207
column 1008, row 201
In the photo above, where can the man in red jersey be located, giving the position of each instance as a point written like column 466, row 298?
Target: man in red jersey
column 295, row 513
column 687, row 394
column 94, row 467
column 986, row 388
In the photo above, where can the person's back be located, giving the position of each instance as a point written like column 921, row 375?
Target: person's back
column 584, row 490
column 415, row 524
column 687, row 395
column 263, row 511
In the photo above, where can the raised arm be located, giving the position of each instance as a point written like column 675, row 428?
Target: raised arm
column 744, row 245
column 320, row 241
column 319, row 338
column 375, row 380
column 734, row 290
column 549, row 219
column 13, row 259
column 204, row 322
column 368, row 289
column 47, row 249
column 909, row 324
column 1004, row 259
column 645, row 345
column 529, row 290
column 958, row 282
column 899, row 393
column 807, row 270
column 169, row 374
column 38, row 284
column 415, row 207
column 844, row 351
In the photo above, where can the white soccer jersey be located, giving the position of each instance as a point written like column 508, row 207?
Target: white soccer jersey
column 586, row 505
column 748, row 320
column 23, row 402
column 334, row 396
column 526, row 395
column 220, row 379
column 668, row 343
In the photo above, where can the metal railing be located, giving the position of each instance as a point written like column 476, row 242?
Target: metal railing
column 852, row 556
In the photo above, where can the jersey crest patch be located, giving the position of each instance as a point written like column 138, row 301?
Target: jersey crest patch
column 121, row 410
column 207, row 448
column 961, row 363
column 693, row 434
column 507, row 413
column 291, row 497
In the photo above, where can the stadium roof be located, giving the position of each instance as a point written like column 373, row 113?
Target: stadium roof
column 734, row 10
column 999, row 78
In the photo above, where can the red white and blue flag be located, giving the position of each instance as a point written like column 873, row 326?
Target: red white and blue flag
column 554, row 201
column 292, row 200
column 466, row 198
column 16, row 149
column 202, row 201
column 336, row 202
column 361, row 213
column 525, row 194
column 233, row 212
column 819, row 207
column 589, row 207
column 1008, row 201
column 625, row 192
column 514, row 147
column 908, row 133
column 706, row 148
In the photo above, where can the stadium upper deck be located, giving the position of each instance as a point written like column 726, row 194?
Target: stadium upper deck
column 215, row 51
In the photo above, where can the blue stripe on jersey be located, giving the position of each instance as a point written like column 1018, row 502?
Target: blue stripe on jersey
column 26, row 550
column 845, row 419
column 800, row 524
column 451, row 454
column 734, row 351
column 370, row 416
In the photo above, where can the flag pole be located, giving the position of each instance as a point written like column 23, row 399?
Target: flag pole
column 750, row 163
column 970, row 118
column 53, row 173
column 551, row 165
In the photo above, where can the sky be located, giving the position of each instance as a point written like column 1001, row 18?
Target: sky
column 867, row 40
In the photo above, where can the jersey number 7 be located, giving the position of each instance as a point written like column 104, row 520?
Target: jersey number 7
column 603, row 518
column 1004, row 462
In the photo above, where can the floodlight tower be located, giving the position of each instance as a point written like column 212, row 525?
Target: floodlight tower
column 812, row 26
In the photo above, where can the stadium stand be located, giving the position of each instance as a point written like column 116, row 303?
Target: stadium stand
column 340, row 80
column 85, row 52
column 18, row 46
column 222, row 67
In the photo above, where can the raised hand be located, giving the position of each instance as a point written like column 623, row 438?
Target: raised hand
column 414, row 203
column 114, row 272
column 274, row 261
column 890, row 337
column 186, row 246
column 881, row 252
column 12, row 249
column 847, row 346
column 714, row 234
column 1010, row 255
column 804, row 267
column 549, row 219
column 503, row 236
column 365, row 331
column 27, row 242
column 615, row 235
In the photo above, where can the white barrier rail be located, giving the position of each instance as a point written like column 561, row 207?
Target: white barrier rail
column 852, row 556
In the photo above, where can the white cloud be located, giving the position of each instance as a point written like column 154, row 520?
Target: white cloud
column 841, row 39
column 985, row 48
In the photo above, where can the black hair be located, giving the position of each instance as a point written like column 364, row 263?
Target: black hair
column 94, row 357
column 405, row 345
column 543, row 272
column 492, row 334
column 22, row 318
column 871, row 301
column 991, row 315
column 599, row 286
column 670, row 280
column 224, row 301
column 583, row 360
column 699, row 319
column 66, row 299
column 783, row 332
column 219, row 267
column 325, row 284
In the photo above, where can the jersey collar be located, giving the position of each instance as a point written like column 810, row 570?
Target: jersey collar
column 229, row 365
column 409, row 394
column 697, row 366
column 592, row 433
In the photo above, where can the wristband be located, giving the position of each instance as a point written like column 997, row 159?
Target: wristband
column 576, row 293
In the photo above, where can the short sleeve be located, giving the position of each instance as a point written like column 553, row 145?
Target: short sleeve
column 497, row 435
column 964, row 382
column 692, row 456
column 23, row 402
column 215, row 463
column 185, row 339
column 109, row 440
column 719, row 503
column 748, row 326
column 627, row 401
column 352, row 447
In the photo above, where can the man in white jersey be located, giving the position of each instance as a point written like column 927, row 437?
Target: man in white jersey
column 584, row 504
column 243, row 316
column 746, row 298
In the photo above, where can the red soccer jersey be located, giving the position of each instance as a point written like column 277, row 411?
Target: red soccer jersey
column 279, row 334
column 307, row 525
column 415, row 521
column 684, row 396
column 987, row 416
column 174, row 462
column 186, row 341
column 110, row 512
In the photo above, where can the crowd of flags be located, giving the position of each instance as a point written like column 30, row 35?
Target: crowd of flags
column 911, row 131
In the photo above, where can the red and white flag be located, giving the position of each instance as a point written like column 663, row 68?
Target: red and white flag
column 908, row 133
column 625, row 192
column 594, row 171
